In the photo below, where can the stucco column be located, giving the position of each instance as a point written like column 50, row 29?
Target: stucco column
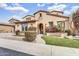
column 44, row 28
column 37, row 28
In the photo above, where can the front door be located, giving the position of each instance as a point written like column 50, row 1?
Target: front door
column 41, row 28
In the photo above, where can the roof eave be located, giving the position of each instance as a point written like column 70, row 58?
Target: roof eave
column 58, row 15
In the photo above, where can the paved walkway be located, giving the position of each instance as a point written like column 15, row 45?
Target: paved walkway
column 39, row 39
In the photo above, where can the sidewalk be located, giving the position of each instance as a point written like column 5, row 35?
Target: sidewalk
column 26, row 47
column 38, row 49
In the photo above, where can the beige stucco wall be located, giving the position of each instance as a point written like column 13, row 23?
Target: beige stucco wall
column 48, row 18
column 4, row 28
column 18, row 27
column 45, row 19
column 32, row 18
column 32, row 24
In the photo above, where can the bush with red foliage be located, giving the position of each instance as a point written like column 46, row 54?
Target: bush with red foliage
column 51, row 29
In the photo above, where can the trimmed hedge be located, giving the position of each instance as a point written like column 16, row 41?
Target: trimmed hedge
column 17, row 32
column 31, row 29
column 30, row 36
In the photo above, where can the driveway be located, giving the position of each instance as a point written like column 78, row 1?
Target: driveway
column 10, row 36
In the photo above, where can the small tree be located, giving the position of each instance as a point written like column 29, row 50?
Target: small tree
column 30, row 36
column 75, row 20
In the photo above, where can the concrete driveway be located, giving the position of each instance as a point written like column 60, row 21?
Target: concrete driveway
column 10, row 36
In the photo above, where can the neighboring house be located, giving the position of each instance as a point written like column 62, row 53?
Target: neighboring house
column 43, row 19
column 6, row 27
column 12, row 20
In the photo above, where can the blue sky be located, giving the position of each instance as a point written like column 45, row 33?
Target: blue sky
column 18, row 10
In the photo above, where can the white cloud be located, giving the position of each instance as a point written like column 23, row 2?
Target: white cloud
column 59, row 7
column 40, row 5
column 14, row 7
column 17, row 9
column 15, row 17
column 67, row 12
column 2, row 5
column 74, row 8
column 71, row 10
column 16, row 4
column 62, row 7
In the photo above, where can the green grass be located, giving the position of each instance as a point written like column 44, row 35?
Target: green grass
column 51, row 40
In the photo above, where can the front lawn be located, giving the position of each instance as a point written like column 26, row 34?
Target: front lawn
column 52, row 40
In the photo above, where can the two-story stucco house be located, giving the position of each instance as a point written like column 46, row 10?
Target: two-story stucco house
column 42, row 19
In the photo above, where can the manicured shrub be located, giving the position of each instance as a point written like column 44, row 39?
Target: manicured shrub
column 68, row 32
column 30, row 36
column 31, row 29
column 51, row 29
column 17, row 32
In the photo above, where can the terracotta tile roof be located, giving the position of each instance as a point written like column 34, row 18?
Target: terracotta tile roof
column 13, row 19
column 41, row 11
column 27, row 16
column 29, row 21
column 48, row 13
column 58, row 15
column 57, row 11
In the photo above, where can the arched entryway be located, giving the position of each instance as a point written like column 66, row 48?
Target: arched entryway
column 40, row 26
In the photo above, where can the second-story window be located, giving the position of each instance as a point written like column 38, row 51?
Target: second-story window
column 40, row 15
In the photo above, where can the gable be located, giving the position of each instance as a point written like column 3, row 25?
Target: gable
column 26, row 16
column 13, row 20
column 41, row 11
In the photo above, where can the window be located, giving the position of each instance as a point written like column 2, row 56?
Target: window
column 50, row 23
column 40, row 15
column 60, row 25
column 24, row 27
